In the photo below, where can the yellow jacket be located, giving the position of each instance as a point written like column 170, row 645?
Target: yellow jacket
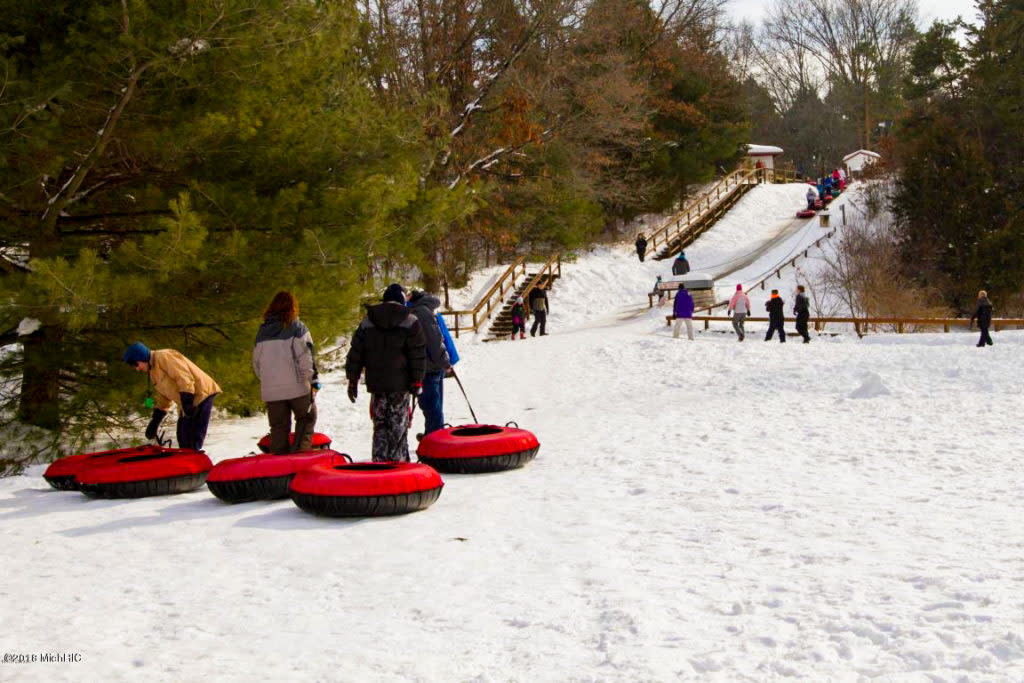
column 171, row 373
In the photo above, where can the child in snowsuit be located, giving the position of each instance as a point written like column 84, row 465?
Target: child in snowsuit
column 389, row 344
column 811, row 196
column 774, row 306
column 519, row 318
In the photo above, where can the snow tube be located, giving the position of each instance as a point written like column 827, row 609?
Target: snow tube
column 806, row 213
column 828, row 198
column 366, row 489
column 319, row 441
column 818, row 204
column 264, row 477
column 475, row 448
column 171, row 470
column 61, row 473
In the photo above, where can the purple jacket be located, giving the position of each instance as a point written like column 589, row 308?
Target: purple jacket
column 684, row 304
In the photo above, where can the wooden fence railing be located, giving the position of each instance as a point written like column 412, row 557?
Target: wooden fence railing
column 901, row 325
column 494, row 298
column 695, row 210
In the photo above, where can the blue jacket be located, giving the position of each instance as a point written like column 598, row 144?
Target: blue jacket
column 684, row 304
column 449, row 343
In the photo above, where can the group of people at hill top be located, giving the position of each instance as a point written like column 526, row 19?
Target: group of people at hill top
column 828, row 185
column 402, row 346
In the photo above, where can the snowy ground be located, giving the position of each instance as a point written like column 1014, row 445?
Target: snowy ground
column 843, row 510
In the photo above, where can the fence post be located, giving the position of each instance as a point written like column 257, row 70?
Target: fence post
column 456, row 325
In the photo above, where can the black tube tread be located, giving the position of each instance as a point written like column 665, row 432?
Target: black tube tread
column 147, row 487
column 248, row 490
column 63, row 483
column 366, row 506
column 491, row 463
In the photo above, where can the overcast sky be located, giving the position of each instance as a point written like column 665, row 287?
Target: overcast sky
column 930, row 10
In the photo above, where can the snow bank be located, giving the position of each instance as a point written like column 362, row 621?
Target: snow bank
column 698, row 510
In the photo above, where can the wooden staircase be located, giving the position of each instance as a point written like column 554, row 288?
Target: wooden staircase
column 698, row 225
column 501, row 328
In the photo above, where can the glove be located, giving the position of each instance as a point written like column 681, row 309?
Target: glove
column 188, row 408
column 154, row 423
column 353, row 390
column 449, row 371
column 416, row 389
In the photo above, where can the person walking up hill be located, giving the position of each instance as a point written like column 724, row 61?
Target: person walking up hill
column 802, row 309
column 683, row 310
column 424, row 307
column 739, row 309
column 389, row 344
column 775, row 306
column 539, row 307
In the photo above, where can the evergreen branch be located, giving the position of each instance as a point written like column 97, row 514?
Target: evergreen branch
column 86, row 218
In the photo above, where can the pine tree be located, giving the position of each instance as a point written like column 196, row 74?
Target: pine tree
column 166, row 168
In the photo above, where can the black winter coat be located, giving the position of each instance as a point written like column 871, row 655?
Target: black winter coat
column 984, row 313
column 424, row 307
column 802, row 305
column 389, row 343
column 775, row 307
column 641, row 245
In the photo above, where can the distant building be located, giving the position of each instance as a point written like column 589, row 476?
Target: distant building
column 856, row 161
column 765, row 154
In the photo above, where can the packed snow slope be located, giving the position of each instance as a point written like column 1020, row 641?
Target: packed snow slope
column 709, row 510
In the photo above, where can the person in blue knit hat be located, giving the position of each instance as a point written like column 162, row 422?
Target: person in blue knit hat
column 177, row 381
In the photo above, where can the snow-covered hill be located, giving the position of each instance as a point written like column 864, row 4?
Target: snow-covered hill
column 705, row 510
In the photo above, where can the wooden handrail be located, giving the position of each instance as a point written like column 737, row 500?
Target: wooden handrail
column 495, row 296
column 554, row 262
column 900, row 323
column 505, row 282
column 692, row 212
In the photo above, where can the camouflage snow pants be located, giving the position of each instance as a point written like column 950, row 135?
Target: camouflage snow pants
column 392, row 415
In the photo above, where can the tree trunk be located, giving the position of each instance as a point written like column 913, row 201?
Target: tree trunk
column 40, row 388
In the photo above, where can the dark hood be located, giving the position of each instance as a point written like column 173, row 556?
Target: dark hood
column 387, row 315
column 422, row 299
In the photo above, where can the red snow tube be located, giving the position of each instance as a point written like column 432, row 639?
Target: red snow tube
column 264, row 477
column 61, row 473
column 828, row 198
column 474, row 448
column 818, row 204
column 806, row 213
column 366, row 489
column 319, row 441
column 171, row 470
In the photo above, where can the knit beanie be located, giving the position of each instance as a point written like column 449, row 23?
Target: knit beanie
column 739, row 288
column 394, row 293
column 135, row 353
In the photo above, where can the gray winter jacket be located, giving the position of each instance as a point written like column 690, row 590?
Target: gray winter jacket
column 283, row 360
column 424, row 307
